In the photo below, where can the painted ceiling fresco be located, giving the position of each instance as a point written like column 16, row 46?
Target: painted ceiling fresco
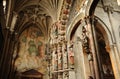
column 31, row 54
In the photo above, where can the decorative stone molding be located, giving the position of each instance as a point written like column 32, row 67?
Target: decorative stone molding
column 85, row 40
column 90, row 57
column 61, row 43
column 108, row 8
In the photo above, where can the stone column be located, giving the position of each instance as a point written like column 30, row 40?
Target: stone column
column 2, row 15
column 114, row 62
column 86, row 49
column 65, row 56
column 5, row 31
column 60, row 57
column 114, row 51
column 6, row 55
column 55, row 63
column 93, row 49
column 10, row 57
column 65, row 60
column 14, row 53
column 91, row 64
column 9, row 52
column 5, row 48
column 60, row 61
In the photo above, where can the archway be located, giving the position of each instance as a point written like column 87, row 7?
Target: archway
column 103, row 52
column 81, row 63
column 103, row 38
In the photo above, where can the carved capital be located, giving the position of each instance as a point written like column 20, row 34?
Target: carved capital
column 107, row 47
column 108, row 9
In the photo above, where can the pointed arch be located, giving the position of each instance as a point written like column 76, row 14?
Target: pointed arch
column 104, row 28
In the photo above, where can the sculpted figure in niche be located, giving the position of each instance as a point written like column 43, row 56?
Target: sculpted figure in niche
column 71, row 55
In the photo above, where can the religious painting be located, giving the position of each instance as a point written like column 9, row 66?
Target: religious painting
column 31, row 54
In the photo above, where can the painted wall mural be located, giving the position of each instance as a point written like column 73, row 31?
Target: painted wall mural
column 31, row 53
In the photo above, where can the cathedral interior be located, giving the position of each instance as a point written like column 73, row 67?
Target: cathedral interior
column 59, row 39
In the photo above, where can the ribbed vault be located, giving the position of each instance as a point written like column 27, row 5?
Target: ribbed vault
column 42, row 13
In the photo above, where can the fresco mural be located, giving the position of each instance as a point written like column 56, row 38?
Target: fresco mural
column 31, row 53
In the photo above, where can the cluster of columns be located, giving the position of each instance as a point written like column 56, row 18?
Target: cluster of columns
column 93, row 53
column 58, row 48
column 1, row 25
column 91, row 48
column 7, row 55
column 59, row 64
column 10, row 39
